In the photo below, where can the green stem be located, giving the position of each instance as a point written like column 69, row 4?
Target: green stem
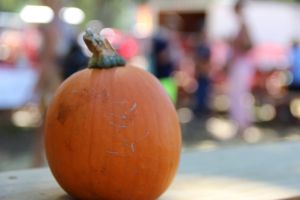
column 104, row 55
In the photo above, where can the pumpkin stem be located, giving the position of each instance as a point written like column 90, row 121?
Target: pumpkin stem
column 104, row 55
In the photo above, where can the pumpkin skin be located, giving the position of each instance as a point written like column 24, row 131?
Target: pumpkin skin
column 112, row 134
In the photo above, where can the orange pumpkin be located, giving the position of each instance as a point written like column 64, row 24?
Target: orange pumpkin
column 111, row 131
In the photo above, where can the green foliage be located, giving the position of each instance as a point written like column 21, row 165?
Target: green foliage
column 107, row 11
column 11, row 5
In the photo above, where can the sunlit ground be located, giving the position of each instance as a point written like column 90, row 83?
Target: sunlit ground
column 260, row 172
column 193, row 187
column 268, row 171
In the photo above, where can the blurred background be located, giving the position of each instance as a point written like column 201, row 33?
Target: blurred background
column 232, row 68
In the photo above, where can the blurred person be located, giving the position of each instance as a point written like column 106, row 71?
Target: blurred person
column 74, row 60
column 202, row 72
column 10, row 42
column 295, row 66
column 240, row 71
column 162, row 63
column 166, row 52
column 56, row 38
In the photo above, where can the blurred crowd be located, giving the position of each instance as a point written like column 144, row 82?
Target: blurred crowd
column 230, row 76
column 236, row 85
column 203, row 77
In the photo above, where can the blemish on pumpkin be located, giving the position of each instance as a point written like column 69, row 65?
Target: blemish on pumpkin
column 68, row 144
column 103, row 169
column 74, row 91
column 104, row 93
column 63, row 113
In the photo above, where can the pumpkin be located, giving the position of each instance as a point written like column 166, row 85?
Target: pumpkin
column 111, row 131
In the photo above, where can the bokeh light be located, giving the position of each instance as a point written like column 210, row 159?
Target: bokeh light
column 221, row 128
column 72, row 15
column 266, row 112
column 185, row 115
column 295, row 107
column 36, row 14
column 28, row 116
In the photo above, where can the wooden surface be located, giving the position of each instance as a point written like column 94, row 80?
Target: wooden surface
column 269, row 171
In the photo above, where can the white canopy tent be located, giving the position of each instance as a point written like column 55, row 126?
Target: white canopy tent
column 268, row 21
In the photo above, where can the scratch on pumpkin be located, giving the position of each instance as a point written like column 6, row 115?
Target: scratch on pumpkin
column 124, row 116
column 118, row 126
column 147, row 133
column 132, row 145
column 115, row 153
column 112, row 152
column 133, row 107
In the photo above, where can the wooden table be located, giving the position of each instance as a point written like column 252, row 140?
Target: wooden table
column 268, row 171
